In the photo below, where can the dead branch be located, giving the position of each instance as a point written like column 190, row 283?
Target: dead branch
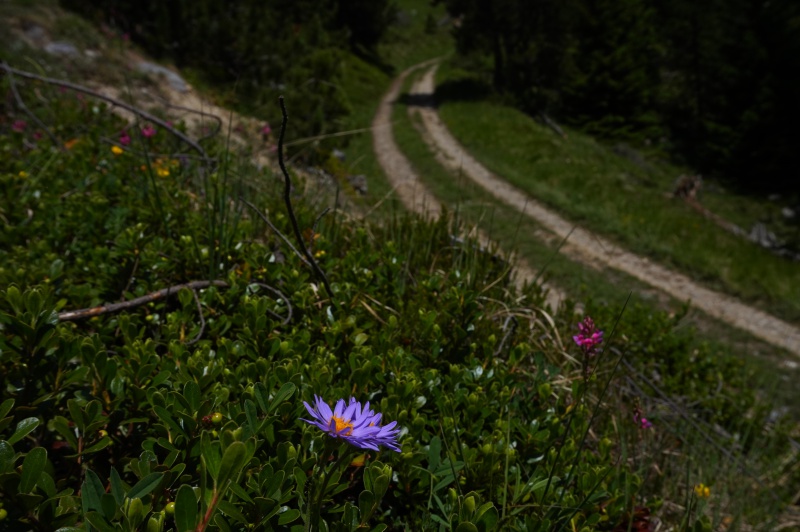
column 74, row 315
column 287, row 197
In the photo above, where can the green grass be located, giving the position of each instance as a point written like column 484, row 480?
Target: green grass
column 605, row 288
column 408, row 42
column 415, row 318
column 591, row 185
column 365, row 80
column 470, row 204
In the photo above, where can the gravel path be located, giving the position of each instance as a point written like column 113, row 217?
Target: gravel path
column 582, row 243
column 413, row 193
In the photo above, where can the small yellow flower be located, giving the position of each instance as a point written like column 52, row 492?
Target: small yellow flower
column 320, row 253
column 702, row 491
column 161, row 171
column 116, row 150
column 23, row 174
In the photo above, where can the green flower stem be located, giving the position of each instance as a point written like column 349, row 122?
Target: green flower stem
column 344, row 453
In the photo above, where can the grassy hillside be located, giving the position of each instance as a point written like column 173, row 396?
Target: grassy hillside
column 159, row 341
column 613, row 195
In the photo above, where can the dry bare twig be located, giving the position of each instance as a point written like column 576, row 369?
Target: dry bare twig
column 287, row 198
column 74, row 315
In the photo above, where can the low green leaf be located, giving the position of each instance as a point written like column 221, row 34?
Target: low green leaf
column 164, row 415
column 92, row 491
column 191, row 392
column 434, row 453
column 185, row 509
column 486, row 516
column 241, row 493
column 260, row 391
column 47, row 484
column 283, row 394
column 99, row 446
column 109, row 506
column 97, row 521
column 32, row 468
column 210, row 454
column 288, row 516
column 252, row 417
column 6, row 407
column 61, row 424
column 380, row 485
column 466, row 526
column 77, row 415
column 117, row 487
column 145, row 486
column 233, row 460
column 230, row 509
column 24, row 428
column 6, row 457
column 366, row 502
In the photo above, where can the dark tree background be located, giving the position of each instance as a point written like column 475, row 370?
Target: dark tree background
column 718, row 79
column 713, row 82
column 264, row 47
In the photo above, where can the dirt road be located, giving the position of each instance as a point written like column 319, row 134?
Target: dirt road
column 582, row 243
column 410, row 189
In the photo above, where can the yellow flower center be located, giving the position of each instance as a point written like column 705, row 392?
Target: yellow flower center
column 341, row 425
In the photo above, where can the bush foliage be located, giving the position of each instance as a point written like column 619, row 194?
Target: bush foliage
column 184, row 411
column 264, row 48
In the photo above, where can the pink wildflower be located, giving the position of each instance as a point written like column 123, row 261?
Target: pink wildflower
column 589, row 337
column 640, row 420
column 266, row 130
column 148, row 131
column 124, row 138
column 37, row 136
column 19, row 126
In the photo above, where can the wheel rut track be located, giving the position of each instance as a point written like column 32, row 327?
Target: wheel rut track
column 412, row 191
column 582, row 244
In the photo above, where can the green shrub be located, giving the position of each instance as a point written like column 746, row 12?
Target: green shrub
column 186, row 410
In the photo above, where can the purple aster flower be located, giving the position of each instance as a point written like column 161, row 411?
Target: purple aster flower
column 356, row 424
column 148, row 131
column 19, row 126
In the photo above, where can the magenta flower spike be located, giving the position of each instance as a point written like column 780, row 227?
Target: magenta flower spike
column 589, row 337
column 356, row 424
